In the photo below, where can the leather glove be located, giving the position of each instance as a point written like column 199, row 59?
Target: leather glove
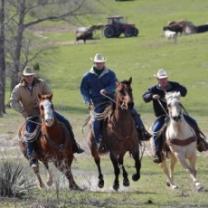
column 103, row 92
column 155, row 96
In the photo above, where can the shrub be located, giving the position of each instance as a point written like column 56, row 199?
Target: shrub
column 13, row 183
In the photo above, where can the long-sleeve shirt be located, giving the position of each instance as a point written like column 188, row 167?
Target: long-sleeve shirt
column 156, row 89
column 92, row 83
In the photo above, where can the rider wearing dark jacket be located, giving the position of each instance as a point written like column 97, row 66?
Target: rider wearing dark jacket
column 97, row 83
column 156, row 94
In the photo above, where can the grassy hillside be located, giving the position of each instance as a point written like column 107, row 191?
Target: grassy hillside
column 64, row 63
column 185, row 61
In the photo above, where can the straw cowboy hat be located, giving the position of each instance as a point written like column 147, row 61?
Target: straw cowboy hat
column 28, row 71
column 99, row 58
column 161, row 74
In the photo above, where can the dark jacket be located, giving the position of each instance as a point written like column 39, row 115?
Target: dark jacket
column 172, row 86
column 92, row 83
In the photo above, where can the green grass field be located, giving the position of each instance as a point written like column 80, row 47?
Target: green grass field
column 63, row 65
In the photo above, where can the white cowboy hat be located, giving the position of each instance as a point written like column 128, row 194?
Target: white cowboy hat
column 28, row 71
column 161, row 74
column 99, row 58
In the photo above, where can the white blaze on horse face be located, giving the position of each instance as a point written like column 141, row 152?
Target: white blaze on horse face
column 48, row 112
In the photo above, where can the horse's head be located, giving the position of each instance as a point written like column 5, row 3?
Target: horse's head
column 46, row 109
column 124, row 97
column 174, row 105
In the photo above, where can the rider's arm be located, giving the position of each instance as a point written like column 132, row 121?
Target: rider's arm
column 182, row 90
column 110, row 89
column 147, row 96
column 84, row 89
column 15, row 101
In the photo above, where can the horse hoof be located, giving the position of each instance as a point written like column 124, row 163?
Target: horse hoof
column 116, row 186
column 49, row 183
column 199, row 188
column 126, row 182
column 101, row 183
column 75, row 187
column 136, row 177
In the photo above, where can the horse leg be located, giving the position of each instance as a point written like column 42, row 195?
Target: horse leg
column 37, row 173
column 96, row 157
column 49, row 176
column 116, row 171
column 136, row 176
column 168, row 172
column 65, row 167
column 173, row 161
column 192, row 161
column 125, row 174
column 189, row 168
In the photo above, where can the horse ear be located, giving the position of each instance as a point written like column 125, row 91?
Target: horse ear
column 39, row 96
column 117, row 84
column 50, row 96
column 130, row 80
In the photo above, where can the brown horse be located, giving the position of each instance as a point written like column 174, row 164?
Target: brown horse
column 54, row 143
column 119, row 136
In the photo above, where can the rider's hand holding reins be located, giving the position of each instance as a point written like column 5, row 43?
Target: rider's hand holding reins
column 156, row 97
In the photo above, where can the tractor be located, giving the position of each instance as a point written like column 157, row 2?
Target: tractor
column 116, row 26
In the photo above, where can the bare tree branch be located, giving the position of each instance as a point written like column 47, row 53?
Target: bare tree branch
column 62, row 16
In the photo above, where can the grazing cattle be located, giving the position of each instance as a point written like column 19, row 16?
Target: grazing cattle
column 86, row 33
column 170, row 35
column 202, row 28
column 180, row 27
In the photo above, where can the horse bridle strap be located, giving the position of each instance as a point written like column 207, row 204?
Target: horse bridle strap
column 184, row 142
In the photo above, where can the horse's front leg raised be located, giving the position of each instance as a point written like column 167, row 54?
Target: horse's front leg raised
column 135, row 154
column 116, row 171
column 190, row 168
column 192, row 161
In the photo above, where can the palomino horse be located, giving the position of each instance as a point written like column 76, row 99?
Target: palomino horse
column 119, row 136
column 54, row 143
column 181, row 140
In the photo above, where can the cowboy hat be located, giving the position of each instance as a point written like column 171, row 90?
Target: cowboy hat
column 99, row 58
column 28, row 71
column 161, row 74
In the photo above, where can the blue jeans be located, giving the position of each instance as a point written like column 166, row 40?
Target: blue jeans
column 31, row 125
column 158, row 124
column 96, row 123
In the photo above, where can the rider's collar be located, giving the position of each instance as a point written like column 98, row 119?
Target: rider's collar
column 105, row 71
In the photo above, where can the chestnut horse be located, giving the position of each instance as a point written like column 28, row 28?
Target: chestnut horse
column 54, row 144
column 181, row 140
column 119, row 136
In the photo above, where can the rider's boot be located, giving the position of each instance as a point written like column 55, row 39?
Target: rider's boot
column 158, row 155
column 202, row 144
column 143, row 134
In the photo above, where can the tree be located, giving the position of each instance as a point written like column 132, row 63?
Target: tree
column 2, row 57
column 50, row 11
